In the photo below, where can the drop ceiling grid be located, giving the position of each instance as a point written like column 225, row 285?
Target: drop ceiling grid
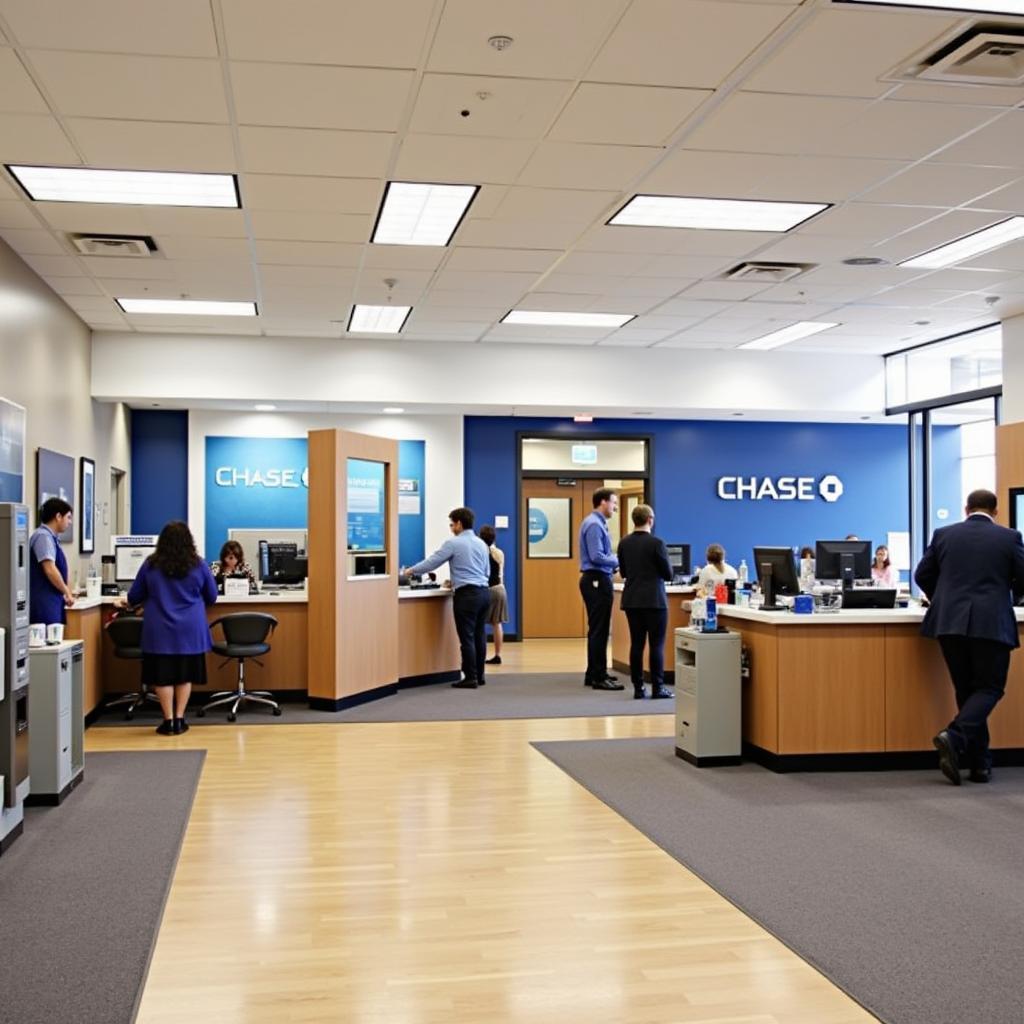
column 578, row 127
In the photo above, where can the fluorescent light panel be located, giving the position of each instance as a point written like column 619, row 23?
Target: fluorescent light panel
column 714, row 214
column 133, row 188
column 794, row 332
column 378, row 319
column 415, row 213
column 983, row 6
column 541, row 318
column 970, row 246
column 187, row 307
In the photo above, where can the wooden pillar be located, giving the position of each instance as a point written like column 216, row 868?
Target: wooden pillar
column 353, row 621
column 1009, row 466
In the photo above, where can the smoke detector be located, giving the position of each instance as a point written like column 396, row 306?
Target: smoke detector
column 134, row 246
column 984, row 54
column 766, row 272
column 500, row 43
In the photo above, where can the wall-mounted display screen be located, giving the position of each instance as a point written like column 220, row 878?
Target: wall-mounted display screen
column 549, row 528
column 12, row 451
column 367, row 505
column 1016, row 508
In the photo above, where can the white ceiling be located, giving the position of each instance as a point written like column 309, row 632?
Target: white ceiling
column 315, row 104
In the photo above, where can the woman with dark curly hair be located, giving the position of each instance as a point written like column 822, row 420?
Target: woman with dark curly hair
column 175, row 585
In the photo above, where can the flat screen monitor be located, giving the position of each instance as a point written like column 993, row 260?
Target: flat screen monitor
column 783, row 569
column 280, row 563
column 128, row 559
column 1017, row 508
column 831, row 557
column 369, row 565
column 679, row 559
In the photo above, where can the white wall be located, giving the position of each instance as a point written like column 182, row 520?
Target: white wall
column 442, row 434
column 45, row 366
column 1013, row 369
column 531, row 379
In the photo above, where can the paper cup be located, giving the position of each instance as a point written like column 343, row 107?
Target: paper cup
column 93, row 587
column 37, row 634
column 55, row 633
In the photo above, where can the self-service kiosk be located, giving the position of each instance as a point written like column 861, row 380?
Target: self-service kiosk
column 14, row 616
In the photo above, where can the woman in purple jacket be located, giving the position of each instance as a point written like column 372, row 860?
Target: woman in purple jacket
column 175, row 585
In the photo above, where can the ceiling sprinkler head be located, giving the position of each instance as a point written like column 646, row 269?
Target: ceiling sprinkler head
column 500, row 43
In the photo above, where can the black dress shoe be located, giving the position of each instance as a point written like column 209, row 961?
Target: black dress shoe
column 607, row 684
column 949, row 761
column 662, row 694
column 980, row 775
column 464, row 684
column 612, row 679
column 639, row 693
column 496, row 660
column 166, row 727
column 180, row 726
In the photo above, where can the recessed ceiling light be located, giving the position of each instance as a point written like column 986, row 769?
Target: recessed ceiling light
column 414, row 213
column 187, row 307
column 714, row 214
column 984, row 6
column 542, row 318
column 583, row 419
column 378, row 319
column 794, row 332
column 132, row 188
column 865, row 261
column 393, row 410
column 265, row 407
column 970, row 245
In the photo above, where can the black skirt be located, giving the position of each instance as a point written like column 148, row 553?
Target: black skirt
column 173, row 669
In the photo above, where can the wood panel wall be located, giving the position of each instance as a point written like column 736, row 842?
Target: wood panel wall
column 1009, row 465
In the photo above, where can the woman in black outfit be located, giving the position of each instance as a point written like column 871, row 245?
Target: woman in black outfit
column 644, row 565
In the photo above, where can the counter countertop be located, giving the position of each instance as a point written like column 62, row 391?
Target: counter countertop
column 61, row 648
column 405, row 594
column 670, row 588
column 84, row 604
column 874, row 617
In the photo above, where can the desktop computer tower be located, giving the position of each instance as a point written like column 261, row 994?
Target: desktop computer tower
column 14, row 616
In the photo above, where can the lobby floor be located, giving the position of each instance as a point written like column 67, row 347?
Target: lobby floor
column 445, row 872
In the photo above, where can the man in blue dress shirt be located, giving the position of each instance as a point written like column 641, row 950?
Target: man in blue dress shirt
column 471, row 600
column 597, row 563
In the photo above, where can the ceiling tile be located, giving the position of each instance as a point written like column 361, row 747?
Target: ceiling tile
column 307, row 277
column 154, row 146
column 407, row 290
column 448, row 158
column 603, row 263
column 729, row 291
column 31, row 139
column 693, row 172
column 313, row 227
column 551, row 38
column 432, row 314
column 183, row 28
column 1008, row 257
column 404, row 257
column 629, row 337
column 531, row 234
column 493, row 284
column 465, row 257
column 140, row 287
column 761, row 123
column 559, row 205
column 996, row 145
column 36, row 243
column 316, row 152
column 16, row 214
column 386, row 33
column 868, row 221
column 137, row 88
column 18, row 94
column 694, row 43
column 1006, row 200
column 931, row 184
column 189, row 247
column 102, row 218
column 575, row 165
column 73, row 285
column 631, row 115
column 127, row 268
column 313, row 254
column 305, row 96
column 55, row 266
column 942, row 92
column 295, row 192
column 227, row 281
column 511, row 108
column 845, row 52
column 946, row 228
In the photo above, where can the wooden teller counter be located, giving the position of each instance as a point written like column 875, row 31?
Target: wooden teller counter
column 428, row 649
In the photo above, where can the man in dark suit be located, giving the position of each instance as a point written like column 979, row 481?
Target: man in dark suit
column 973, row 574
column 644, row 565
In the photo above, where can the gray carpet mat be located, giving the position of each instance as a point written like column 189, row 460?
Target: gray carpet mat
column 905, row 891
column 82, row 891
column 525, row 695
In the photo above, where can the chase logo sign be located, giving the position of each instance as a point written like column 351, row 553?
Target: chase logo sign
column 780, row 488
column 246, row 476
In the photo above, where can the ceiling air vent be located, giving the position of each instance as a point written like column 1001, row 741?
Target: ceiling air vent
column 769, row 273
column 135, row 246
column 985, row 54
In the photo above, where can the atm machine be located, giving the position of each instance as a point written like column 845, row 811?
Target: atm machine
column 14, row 615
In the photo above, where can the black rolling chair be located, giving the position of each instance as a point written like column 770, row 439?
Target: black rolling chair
column 245, row 636
column 126, row 634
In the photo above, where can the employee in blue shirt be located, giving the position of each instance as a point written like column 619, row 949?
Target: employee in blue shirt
column 597, row 563
column 49, row 595
column 471, row 600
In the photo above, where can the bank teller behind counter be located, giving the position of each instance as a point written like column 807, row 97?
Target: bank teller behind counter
column 232, row 565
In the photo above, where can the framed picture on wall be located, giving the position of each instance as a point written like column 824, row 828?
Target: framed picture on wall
column 55, row 478
column 86, row 506
column 549, row 529
column 12, row 451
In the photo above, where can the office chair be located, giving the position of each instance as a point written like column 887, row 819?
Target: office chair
column 126, row 634
column 245, row 636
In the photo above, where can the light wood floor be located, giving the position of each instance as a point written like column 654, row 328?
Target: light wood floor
column 444, row 873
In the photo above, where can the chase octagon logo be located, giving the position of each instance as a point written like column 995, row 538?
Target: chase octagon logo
column 831, row 487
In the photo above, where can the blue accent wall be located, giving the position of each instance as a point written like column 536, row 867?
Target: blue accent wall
column 159, row 469
column 690, row 456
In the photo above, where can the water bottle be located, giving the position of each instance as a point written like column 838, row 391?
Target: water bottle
column 710, row 616
column 743, row 571
column 697, row 612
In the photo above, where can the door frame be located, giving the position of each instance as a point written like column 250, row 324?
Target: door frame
column 584, row 474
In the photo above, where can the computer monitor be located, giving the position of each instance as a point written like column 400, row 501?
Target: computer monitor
column 845, row 560
column 679, row 559
column 128, row 559
column 280, row 564
column 776, row 572
column 369, row 564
